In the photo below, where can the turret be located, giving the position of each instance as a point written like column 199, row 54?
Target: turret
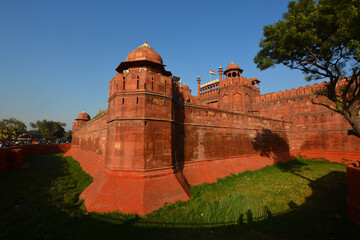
column 81, row 119
column 220, row 73
column 233, row 70
column 198, row 82
column 139, row 105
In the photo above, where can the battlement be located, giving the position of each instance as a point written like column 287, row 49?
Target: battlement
column 249, row 82
column 300, row 91
column 212, row 83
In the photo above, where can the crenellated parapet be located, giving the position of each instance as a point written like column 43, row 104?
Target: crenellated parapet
column 252, row 83
column 209, row 89
column 299, row 92
column 212, row 88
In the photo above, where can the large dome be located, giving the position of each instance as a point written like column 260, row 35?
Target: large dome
column 144, row 52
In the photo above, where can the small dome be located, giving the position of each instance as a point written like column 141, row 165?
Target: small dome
column 144, row 52
column 83, row 116
column 185, row 86
column 233, row 66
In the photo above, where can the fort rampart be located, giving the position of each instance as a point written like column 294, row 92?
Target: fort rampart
column 156, row 139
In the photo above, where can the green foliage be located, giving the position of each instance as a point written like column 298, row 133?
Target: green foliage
column 34, row 134
column 68, row 135
column 50, row 130
column 11, row 128
column 321, row 39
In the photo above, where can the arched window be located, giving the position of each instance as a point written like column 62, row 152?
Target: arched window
column 229, row 74
column 234, row 74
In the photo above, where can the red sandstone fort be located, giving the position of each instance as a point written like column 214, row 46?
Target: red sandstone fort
column 155, row 139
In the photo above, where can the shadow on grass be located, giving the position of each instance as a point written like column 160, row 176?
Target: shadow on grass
column 30, row 209
column 40, row 202
column 295, row 167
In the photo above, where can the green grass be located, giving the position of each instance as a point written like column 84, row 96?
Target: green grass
column 301, row 199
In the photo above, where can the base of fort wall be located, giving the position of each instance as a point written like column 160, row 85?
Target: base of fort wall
column 332, row 156
column 145, row 191
column 209, row 171
column 128, row 191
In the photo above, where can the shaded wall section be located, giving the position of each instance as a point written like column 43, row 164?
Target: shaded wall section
column 211, row 143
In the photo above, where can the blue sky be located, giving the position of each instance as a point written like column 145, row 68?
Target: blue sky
column 57, row 57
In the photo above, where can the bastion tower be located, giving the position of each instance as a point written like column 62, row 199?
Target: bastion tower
column 140, row 113
column 138, row 173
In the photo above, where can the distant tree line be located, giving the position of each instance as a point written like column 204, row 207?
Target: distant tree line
column 11, row 129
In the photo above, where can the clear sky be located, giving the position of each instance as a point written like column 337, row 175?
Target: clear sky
column 57, row 57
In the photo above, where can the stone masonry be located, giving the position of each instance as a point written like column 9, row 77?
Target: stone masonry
column 155, row 139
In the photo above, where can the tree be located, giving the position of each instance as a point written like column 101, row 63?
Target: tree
column 11, row 128
column 321, row 39
column 50, row 130
column 35, row 134
column 68, row 135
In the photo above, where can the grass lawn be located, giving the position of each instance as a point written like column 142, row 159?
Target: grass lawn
column 301, row 199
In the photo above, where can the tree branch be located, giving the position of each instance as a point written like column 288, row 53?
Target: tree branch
column 325, row 105
column 316, row 59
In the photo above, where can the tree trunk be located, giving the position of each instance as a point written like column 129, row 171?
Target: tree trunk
column 354, row 120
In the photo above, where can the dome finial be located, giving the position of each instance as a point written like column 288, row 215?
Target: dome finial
column 145, row 44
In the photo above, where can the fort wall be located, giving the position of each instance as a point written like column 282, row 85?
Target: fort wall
column 315, row 130
column 218, row 142
column 92, row 135
column 156, row 138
